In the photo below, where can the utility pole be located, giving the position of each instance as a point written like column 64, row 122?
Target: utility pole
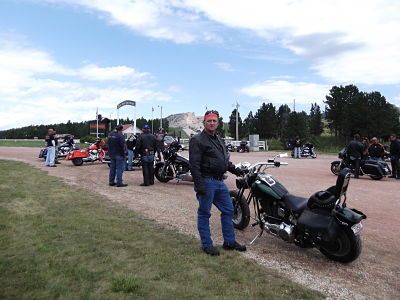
column 294, row 105
column 237, row 121
column 152, row 120
column 160, row 106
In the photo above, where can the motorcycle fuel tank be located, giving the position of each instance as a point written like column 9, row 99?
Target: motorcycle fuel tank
column 267, row 186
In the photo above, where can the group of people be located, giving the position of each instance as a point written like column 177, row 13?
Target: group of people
column 146, row 145
column 359, row 149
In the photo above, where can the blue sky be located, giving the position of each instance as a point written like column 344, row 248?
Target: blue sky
column 61, row 59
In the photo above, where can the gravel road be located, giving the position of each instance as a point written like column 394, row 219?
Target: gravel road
column 376, row 273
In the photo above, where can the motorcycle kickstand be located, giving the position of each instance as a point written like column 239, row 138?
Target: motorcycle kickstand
column 257, row 236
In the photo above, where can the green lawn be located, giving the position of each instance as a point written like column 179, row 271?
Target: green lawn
column 58, row 241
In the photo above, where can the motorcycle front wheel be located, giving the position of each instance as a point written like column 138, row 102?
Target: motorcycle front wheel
column 241, row 211
column 77, row 161
column 161, row 174
column 345, row 248
column 335, row 168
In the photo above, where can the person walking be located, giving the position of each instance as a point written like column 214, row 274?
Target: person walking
column 116, row 151
column 209, row 160
column 130, row 146
column 376, row 150
column 394, row 156
column 51, row 144
column 146, row 146
column 355, row 150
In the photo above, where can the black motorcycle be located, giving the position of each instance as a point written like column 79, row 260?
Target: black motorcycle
column 175, row 166
column 323, row 221
column 376, row 169
column 243, row 147
column 308, row 150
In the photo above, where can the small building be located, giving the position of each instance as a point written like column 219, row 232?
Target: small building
column 128, row 129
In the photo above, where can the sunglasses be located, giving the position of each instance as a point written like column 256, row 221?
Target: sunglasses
column 212, row 112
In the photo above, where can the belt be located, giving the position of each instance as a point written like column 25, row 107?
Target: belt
column 215, row 177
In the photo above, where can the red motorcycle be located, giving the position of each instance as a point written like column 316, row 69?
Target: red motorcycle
column 95, row 152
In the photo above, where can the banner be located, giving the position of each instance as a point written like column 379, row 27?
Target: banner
column 126, row 102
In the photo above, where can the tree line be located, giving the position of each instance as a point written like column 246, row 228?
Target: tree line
column 78, row 129
column 347, row 111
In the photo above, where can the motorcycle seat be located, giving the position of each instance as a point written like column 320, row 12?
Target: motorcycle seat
column 295, row 203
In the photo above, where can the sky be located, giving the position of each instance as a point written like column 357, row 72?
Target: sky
column 64, row 60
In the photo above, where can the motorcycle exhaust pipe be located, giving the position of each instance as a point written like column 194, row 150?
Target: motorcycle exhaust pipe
column 284, row 231
column 185, row 177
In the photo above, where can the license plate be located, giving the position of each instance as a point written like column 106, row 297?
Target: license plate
column 357, row 228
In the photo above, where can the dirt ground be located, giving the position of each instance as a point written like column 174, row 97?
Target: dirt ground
column 374, row 275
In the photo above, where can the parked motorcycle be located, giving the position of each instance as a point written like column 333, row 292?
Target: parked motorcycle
column 375, row 169
column 136, row 162
column 243, row 147
column 62, row 150
column 308, row 150
column 175, row 166
column 95, row 152
column 323, row 221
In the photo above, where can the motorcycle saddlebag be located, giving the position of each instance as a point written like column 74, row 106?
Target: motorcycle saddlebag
column 318, row 225
column 372, row 167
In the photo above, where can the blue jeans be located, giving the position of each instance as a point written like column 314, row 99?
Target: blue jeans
column 117, row 167
column 297, row 151
column 217, row 194
column 50, row 156
column 130, row 159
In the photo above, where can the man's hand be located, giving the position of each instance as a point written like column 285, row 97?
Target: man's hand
column 238, row 172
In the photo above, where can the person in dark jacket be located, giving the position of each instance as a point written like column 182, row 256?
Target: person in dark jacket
column 146, row 146
column 376, row 150
column 130, row 146
column 395, row 156
column 355, row 150
column 209, row 160
column 116, row 151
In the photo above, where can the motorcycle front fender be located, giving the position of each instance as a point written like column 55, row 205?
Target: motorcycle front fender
column 160, row 164
column 335, row 162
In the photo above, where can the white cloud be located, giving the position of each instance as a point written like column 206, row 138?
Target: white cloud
column 281, row 91
column 32, row 92
column 96, row 73
column 225, row 66
column 345, row 41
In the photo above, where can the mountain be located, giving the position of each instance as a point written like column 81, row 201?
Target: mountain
column 185, row 120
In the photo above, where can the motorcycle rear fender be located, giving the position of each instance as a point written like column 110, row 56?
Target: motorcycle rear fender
column 350, row 216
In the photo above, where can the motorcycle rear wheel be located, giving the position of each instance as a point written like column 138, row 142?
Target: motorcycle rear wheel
column 335, row 168
column 241, row 211
column 77, row 161
column 161, row 175
column 376, row 177
column 346, row 247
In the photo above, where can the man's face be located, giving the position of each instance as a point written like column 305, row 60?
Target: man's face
column 211, row 123
column 374, row 141
column 392, row 137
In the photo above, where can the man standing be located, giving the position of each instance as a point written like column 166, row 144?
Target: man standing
column 146, row 146
column 209, row 160
column 394, row 156
column 355, row 150
column 51, row 144
column 116, row 151
column 376, row 150
column 130, row 145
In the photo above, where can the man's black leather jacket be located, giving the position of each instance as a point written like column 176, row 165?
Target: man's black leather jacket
column 208, row 157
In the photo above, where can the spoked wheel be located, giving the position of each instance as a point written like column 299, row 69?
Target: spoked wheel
column 241, row 211
column 335, row 168
column 161, row 174
column 346, row 247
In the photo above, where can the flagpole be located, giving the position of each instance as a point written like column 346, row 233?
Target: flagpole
column 97, row 122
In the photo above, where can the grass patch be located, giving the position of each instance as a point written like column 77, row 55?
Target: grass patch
column 22, row 143
column 58, row 241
